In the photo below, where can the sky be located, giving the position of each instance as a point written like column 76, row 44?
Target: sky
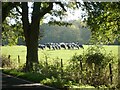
column 71, row 15
column 75, row 15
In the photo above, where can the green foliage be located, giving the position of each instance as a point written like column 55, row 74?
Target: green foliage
column 98, row 56
column 73, row 33
column 7, row 63
column 34, row 77
column 103, row 20
column 97, row 60
column 94, row 55
column 59, row 23
column 73, row 70
column 49, row 71
column 91, row 67
column 12, row 33
column 55, row 82
column 12, row 25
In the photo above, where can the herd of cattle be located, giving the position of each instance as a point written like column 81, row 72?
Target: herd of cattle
column 58, row 46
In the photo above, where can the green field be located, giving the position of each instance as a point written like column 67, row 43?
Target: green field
column 14, row 51
column 53, row 55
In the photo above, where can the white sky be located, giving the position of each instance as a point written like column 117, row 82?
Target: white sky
column 76, row 14
column 71, row 15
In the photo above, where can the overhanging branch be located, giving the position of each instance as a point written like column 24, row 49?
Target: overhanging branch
column 47, row 10
column 6, row 7
column 61, row 5
column 18, row 10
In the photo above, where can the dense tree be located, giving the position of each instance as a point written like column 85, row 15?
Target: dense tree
column 73, row 33
column 104, row 21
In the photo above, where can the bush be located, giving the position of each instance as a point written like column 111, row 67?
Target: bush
column 73, row 70
column 7, row 63
column 97, row 55
column 92, row 67
column 97, row 61
column 55, row 82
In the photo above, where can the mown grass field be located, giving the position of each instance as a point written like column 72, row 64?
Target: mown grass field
column 51, row 55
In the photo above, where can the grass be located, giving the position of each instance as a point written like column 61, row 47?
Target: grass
column 51, row 55
column 14, row 51
column 34, row 77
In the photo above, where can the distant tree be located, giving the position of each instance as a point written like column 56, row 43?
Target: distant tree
column 72, row 33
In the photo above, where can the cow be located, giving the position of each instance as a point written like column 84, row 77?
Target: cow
column 63, row 45
column 41, row 46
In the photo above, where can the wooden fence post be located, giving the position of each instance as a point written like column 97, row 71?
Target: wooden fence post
column 61, row 67
column 46, row 65
column 86, row 75
column 18, row 59
column 110, row 68
column 81, row 69
column 9, row 58
column 118, row 72
column 46, row 62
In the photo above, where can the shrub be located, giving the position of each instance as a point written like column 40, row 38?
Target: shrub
column 55, row 82
column 7, row 63
column 92, row 67
column 73, row 70
column 97, row 61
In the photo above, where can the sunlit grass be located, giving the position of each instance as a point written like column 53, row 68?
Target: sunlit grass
column 51, row 55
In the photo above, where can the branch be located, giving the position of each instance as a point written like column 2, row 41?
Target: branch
column 18, row 10
column 6, row 7
column 78, row 4
column 35, row 13
column 61, row 5
column 59, row 23
column 47, row 10
column 39, row 12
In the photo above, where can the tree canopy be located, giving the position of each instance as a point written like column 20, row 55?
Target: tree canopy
column 104, row 21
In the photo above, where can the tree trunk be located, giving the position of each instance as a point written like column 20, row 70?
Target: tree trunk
column 31, row 31
column 32, row 49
